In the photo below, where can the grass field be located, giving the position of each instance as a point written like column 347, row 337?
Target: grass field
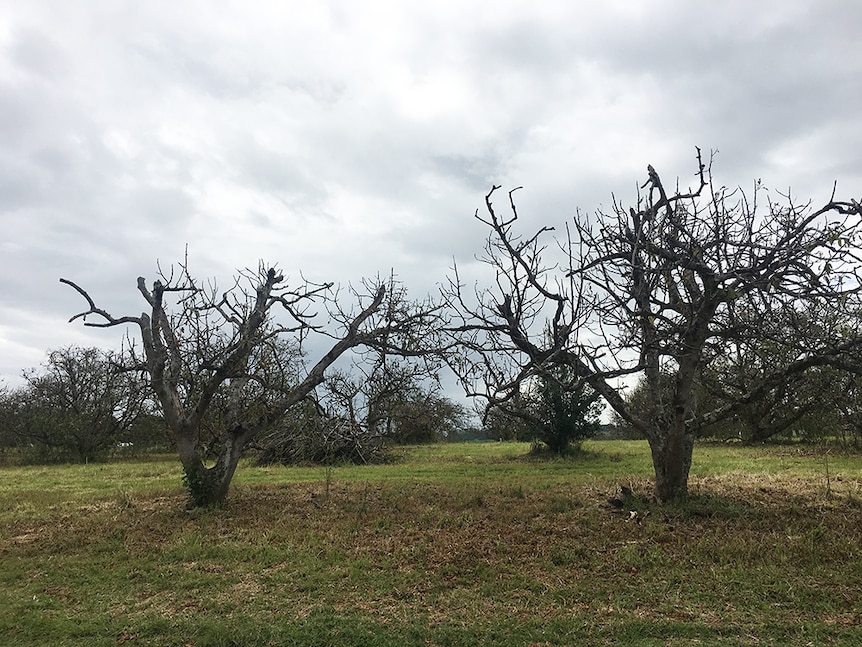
column 472, row 544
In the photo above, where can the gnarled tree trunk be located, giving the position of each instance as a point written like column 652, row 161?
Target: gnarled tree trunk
column 671, row 457
column 208, row 486
column 213, row 343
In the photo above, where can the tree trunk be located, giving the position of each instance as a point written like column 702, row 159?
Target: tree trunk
column 208, row 486
column 671, row 457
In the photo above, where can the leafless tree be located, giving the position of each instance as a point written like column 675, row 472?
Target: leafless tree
column 660, row 288
column 364, row 408
column 207, row 350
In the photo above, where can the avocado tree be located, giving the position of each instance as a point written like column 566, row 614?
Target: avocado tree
column 661, row 288
column 235, row 353
column 78, row 406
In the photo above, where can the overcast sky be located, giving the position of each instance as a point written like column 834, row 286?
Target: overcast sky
column 347, row 139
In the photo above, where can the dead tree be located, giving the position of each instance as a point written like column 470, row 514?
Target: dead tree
column 201, row 346
column 663, row 288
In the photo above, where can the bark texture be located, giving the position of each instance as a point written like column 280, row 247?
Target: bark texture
column 209, row 347
column 658, row 292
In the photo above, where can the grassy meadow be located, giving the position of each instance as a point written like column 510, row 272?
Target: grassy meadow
column 471, row 544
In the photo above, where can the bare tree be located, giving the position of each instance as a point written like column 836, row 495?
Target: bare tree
column 202, row 346
column 361, row 410
column 662, row 288
column 394, row 400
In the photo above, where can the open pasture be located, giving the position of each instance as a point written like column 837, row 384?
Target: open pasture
column 470, row 544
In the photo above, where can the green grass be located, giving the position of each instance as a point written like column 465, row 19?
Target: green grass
column 474, row 544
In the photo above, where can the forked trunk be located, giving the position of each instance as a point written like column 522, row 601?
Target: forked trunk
column 208, row 486
column 671, row 457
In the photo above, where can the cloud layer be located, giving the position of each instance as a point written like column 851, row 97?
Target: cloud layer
column 346, row 139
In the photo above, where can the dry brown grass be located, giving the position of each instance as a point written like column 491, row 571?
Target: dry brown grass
column 750, row 559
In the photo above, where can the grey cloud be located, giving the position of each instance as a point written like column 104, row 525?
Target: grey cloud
column 131, row 129
column 36, row 53
column 292, row 179
column 477, row 172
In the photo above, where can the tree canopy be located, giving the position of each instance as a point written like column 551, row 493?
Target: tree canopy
column 666, row 287
column 209, row 352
